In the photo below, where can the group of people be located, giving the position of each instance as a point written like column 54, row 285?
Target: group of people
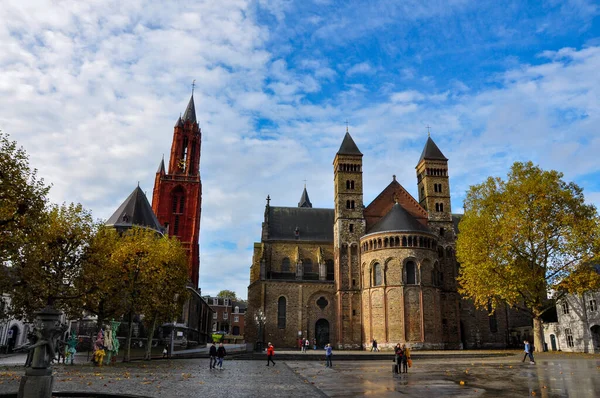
column 304, row 344
column 216, row 356
column 402, row 359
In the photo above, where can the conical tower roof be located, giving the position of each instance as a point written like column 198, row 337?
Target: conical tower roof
column 179, row 122
column 398, row 219
column 190, row 111
column 431, row 152
column 304, row 200
column 161, row 166
column 348, row 146
column 135, row 210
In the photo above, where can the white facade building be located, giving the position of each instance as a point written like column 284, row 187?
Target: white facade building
column 13, row 333
column 578, row 326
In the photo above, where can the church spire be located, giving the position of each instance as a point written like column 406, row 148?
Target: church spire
column 161, row 166
column 348, row 146
column 304, row 200
column 190, row 111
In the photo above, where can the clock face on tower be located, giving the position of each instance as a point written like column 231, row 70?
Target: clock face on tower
column 181, row 164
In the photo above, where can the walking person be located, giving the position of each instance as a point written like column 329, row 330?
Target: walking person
column 406, row 361
column 314, row 344
column 375, row 345
column 528, row 352
column 398, row 358
column 328, row 352
column 220, row 355
column 306, row 344
column 270, row 354
column 212, row 353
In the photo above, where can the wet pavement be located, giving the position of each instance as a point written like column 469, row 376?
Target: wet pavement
column 554, row 375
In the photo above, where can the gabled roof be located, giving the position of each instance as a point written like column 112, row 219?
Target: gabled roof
column 312, row 224
column 398, row 219
column 190, row 111
column 304, row 200
column 135, row 210
column 431, row 152
column 348, row 146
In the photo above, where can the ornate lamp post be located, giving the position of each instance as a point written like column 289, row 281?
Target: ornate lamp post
column 260, row 318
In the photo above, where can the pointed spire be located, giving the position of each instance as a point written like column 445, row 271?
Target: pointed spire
column 179, row 122
column 190, row 111
column 348, row 146
column 161, row 166
column 431, row 152
column 304, row 200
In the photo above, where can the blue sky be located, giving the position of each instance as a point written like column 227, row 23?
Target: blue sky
column 92, row 90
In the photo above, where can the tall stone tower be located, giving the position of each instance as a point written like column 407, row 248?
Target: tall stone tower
column 434, row 190
column 434, row 196
column 349, row 226
column 177, row 196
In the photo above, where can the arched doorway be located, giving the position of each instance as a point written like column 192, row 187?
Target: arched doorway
column 553, row 342
column 236, row 331
column 322, row 332
column 596, row 338
column 13, row 335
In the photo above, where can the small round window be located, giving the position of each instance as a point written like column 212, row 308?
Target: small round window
column 322, row 302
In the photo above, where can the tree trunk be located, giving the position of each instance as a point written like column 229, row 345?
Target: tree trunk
column 538, row 334
column 148, row 355
column 127, row 356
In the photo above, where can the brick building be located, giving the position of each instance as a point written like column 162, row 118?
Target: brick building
column 385, row 271
column 228, row 315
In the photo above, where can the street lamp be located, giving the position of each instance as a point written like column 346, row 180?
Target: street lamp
column 260, row 318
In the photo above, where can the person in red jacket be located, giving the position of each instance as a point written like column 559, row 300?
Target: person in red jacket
column 270, row 353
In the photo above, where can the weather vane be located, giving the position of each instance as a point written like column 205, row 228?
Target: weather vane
column 193, row 85
column 346, row 125
column 428, row 132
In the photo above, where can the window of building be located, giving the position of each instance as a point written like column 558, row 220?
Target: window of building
column 347, row 204
column 176, row 226
column 565, row 307
column 353, row 312
column 377, row 279
column 236, row 318
column 215, row 301
column 214, row 327
column 569, row 337
column 308, row 265
column 351, row 184
column 352, row 204
column 281, row 312
column 226, row 302
column 351, row 227
column 236, row 309
column 492, row 319
column 411, row 273
column 215, row 315
column 225, row 315
column 347, row 184
column 593, row 306
column 285, row 265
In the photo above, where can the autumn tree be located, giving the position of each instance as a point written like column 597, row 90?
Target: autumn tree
column 22, row 205
column 524, row 236
column 165, row 277
column 230, row 294
column 102, row 283
column 50, row 260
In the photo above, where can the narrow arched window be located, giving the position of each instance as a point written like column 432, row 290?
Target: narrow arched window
column 330, row 268
column 308, row 265
column 351, row 184
column 352, row 204
column 285, row 265
column 404, row 242
column 281, row 312
column 347, row 184
column 347, row 204
column 441, row 207
column 411, row 273
column 377, row 279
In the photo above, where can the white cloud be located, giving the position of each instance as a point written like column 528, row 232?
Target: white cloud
column 360, row 68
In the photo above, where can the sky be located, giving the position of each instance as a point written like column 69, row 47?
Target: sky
column 91, row 89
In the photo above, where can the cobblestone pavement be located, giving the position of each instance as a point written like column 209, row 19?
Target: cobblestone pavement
column 554, row 375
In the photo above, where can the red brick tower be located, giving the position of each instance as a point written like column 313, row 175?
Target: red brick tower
column 177, row 196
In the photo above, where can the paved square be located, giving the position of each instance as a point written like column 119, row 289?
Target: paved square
column 554, row 375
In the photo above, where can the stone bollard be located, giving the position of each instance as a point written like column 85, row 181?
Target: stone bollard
column 38, row 379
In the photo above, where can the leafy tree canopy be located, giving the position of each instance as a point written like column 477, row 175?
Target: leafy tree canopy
column 521, row 237
column 230, row 294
